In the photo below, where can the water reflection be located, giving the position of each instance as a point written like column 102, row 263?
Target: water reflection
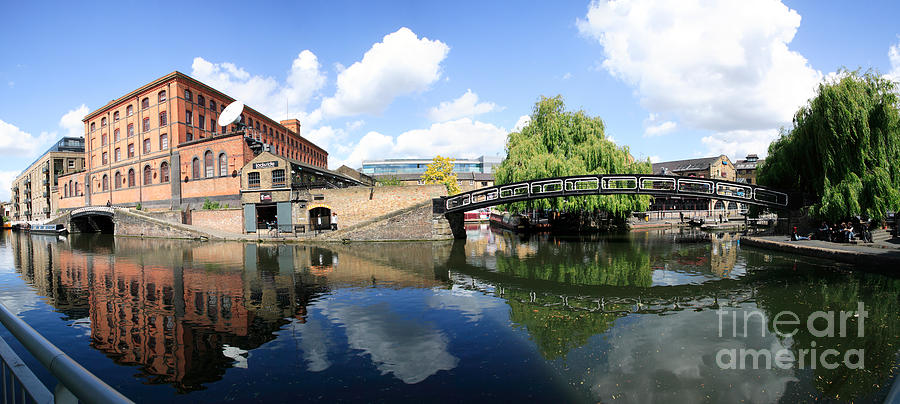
column 629, row 318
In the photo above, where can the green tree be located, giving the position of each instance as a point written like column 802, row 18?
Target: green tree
column 556, row 143
column 440, row 171
column 843, row 150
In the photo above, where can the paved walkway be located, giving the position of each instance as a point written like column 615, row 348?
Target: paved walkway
column 883, row 256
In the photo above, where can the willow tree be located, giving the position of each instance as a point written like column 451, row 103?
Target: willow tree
column 557, row 143
column 844, row 149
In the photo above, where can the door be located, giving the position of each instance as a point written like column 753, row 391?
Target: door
column 283, row 216
column 250, row 218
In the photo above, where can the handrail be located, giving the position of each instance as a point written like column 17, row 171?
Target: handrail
column 82, row 383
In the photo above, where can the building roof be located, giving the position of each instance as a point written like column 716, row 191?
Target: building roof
column 482, row 159
column 416, row 177
column 750, row 163
column 667, row 167
column 180, row 75
column 66, row 144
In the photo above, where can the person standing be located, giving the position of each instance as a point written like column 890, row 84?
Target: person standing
column 334, row 221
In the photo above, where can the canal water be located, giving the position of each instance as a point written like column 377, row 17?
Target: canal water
column 648, row 316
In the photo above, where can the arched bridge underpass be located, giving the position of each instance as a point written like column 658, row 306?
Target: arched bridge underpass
column 92, row 219
column 617, row 184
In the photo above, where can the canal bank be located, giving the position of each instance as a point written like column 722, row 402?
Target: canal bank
column 878, row 257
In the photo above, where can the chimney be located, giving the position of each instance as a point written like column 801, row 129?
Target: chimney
column 292, row 125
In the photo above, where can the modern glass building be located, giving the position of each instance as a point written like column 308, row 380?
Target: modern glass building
column 483, row 164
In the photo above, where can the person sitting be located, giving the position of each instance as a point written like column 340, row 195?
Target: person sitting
column 797, row 237
column 824, row 232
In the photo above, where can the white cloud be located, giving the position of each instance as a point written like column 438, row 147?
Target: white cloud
column 567, row 76
column 6, row 179
column 654, row 159
column 660, row 129
column 723, row 66
column 266, row 94
column 521, row 123
column 462, row 138
column 71, row 121
column 400, row 64
column 466, row 105
column 739, row 143
column 894, row 57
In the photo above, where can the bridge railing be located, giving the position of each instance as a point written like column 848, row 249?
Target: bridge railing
column 618, row 184
column 75, row 382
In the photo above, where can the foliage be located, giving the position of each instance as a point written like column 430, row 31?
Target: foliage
column 390, row 182
column 138, row 206
column 208, row 205
column 844, row 149
column 558, row 143
column 440, row 171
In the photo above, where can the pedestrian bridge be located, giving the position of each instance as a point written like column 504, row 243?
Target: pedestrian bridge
column 92, row 219
column 617, row 184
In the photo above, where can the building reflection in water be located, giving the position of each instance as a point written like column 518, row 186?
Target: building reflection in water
column 185, row 312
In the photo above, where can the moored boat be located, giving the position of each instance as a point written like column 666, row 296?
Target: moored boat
column 48, row 229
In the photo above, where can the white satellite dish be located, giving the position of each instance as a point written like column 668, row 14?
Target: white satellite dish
column 231, row 114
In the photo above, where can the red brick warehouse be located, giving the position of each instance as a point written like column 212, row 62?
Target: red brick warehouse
column 160, row 146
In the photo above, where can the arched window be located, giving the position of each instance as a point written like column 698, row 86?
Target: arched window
column 130, row 130
column 208, row 163
column 195, row 168
column 93, row 126
column 161, row 97
column 188, row 96
column 223, row 164
column 129, row 110
column 212, row 105
column 117, row 180
column 201, row 100
column 105, row 139
column 65, row 190
column 103, row 122
column 163, row 141
column 130, row 177
column 250, row 123
column 148, row 175
column 69, row 190
column 164, row 172
column 77, row 189
column 116, row 116
column 145, row 103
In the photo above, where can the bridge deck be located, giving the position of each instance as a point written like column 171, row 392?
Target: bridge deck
column 613, row 184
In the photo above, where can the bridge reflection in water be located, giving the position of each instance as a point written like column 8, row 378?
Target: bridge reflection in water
column 599, row 310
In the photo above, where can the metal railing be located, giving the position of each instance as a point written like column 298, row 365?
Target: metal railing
column 75, row 382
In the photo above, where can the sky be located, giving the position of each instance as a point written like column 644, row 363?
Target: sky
column 369, row 80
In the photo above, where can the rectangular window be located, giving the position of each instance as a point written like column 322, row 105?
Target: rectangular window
column 163, row 119
column 163, row 141
column 189, row 118
column 253, row 180
column 104, row 139
column 130, row 130
column 277, row 178
column 146, row 146
column 223, row 130
column 118, row 155
column 188, row 137
column 202, row 122
column 212, row 125
column 146, row 124
column 105, row 158
column 130, row 150
column 71, row 164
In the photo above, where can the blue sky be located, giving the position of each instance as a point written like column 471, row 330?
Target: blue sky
column 671, row 80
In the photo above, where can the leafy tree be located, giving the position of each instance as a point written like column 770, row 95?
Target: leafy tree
column 390, row 182
column 843, row 150
column 558, row 143
column 440, row 171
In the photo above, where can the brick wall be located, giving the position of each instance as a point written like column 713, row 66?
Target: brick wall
column 227, row 220
column 358, row 204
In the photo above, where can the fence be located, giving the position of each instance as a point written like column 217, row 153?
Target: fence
column 20, row 385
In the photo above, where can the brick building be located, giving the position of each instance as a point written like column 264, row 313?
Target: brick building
column 716, row 167
column 35, row 192
column 160, row 146
column 746, row 169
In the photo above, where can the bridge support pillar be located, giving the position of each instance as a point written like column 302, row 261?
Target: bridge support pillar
column 446, row 225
